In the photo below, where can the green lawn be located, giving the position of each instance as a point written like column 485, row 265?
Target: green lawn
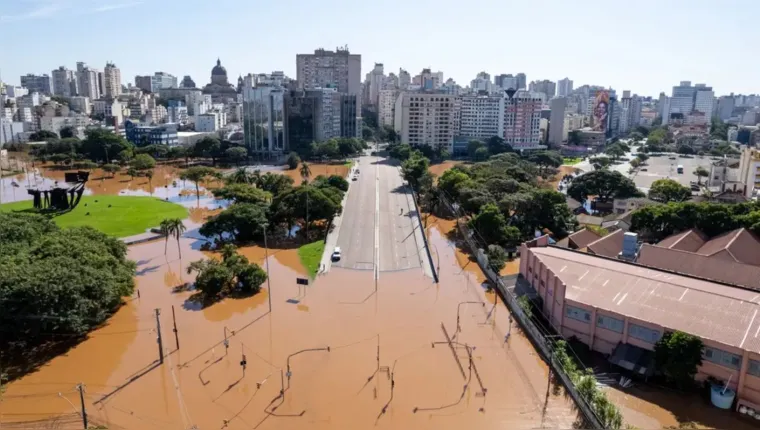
column 126, row 216
column 569, row 161
column 311, row 256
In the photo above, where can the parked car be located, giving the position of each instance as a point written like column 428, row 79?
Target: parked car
column 336, row 254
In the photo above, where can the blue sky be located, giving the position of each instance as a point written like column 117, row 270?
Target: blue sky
column 646, row 46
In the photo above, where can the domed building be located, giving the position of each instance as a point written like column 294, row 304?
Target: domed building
column 220, row 88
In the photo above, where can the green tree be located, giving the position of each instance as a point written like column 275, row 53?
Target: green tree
column 305, row 171
column 701, row 172
column 497, row 145
column 678, row 355
column 497, row 258
column 492, row 224
column 67, row 132
column 642, row 156
column 149, row 174
column 452, row 181
column 208, row 147
column 636, row 162
column 668, row 190
column 236, row 154
column 242, row 193
column 42, row 135
column 686, row 150
column 413, row 169
column 400, row 152
column 615, row 151
column 604, row 184
column 335, row 181
column 473, row 146
column 546, row 159
column 132, row 172
column 368, row 133
column 214, row 278
column 196, row 175
column 101, row 144
column 111, row 169
column 636, row 136
column 143, row 162
column 240, row 176
column 241, row 221
column 274, row 184
column 600, row 163
column 56, row 282
column 481, row 154
column 293, row 160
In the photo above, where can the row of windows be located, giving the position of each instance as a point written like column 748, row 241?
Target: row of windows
column 724, row 358
column 634, row 330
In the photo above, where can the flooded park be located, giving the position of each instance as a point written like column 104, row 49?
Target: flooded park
column 345, row 351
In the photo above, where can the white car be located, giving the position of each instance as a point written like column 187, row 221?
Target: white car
column 336, row 254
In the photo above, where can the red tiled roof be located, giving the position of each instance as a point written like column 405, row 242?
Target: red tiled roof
column 702, row 266
column 608, row 246
column 743, row 246
column 712, row 311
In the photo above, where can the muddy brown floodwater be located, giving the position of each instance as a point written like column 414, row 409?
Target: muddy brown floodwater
column 349, row 352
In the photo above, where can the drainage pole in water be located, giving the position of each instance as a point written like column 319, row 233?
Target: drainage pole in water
column 160, row 341
column 176, row 334
column 80, row 387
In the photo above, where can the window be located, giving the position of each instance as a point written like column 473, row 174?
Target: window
column 754, row 368
column 723, row 358
column 609, row 323
column 577, row 314
column 643, row 333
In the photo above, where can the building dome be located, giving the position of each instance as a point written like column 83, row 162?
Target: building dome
column 218, row 70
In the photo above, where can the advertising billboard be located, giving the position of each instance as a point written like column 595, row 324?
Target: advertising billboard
column 601, row 110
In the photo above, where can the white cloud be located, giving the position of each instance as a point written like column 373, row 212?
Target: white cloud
column 43, row 9
column 115, row 6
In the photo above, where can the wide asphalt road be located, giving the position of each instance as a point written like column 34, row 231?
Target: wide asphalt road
column 377, row 221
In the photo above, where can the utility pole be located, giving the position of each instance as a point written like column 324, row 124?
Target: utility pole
column 160, row 342
column 176, row 334
column 80, row 387
column 266, row 259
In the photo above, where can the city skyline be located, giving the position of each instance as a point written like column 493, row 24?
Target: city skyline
column 628, row 60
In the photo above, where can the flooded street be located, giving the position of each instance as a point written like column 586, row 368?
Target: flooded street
column 346, row 351
column 348, row 386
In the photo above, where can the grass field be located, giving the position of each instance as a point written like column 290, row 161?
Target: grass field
column 569, row 161
column 117, row 216
column 311, row 256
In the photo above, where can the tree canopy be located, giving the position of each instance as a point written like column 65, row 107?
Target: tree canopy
column 677, row 356
column 242, row 193
column 232, row 274
column 56, row 282
column 604, row 184
column 660, row 221
column 668, row 190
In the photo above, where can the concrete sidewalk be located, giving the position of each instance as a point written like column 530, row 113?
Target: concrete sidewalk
column 422, row 249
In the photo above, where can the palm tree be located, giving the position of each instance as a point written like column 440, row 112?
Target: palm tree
column 305, row 171
column 176, row 228
column 165, row 229
column 240, row 176
column 197, row 174
column 149, row 174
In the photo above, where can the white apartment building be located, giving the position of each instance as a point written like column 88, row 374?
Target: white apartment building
column 206, row 123
column 481, row 117
column 10, row 132
column 111, row 80
column 404, row 79
column 386, row 107
column 427, row 119
column 375, row 81
column 87, row 81
column 80, row 104
column 177, row 114
column 197, row 103
column 64, row 82
column 482, row 82
column 14, row 92
column 56, row 123
column 522, row 120
column 749, row 171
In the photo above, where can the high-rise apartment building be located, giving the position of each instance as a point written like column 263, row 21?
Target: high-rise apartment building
column 481, row 116
column 546, row 87
column 521, row 81
column 564, row 87
column 704, row 100
column 111, row 80
column 64, row 82
column 263, row 113
column 319, row 114
column 427, row 119
column 682, row 99
column 144, row 83
column 386, row 107
column 404, row 79
column 337, row 69
column 522, row 120
column 375, row 81
column 557, row 121
column 482, row 83
column 726, row 106
column 36, row 83
column 630, row 112
column 87, row 81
